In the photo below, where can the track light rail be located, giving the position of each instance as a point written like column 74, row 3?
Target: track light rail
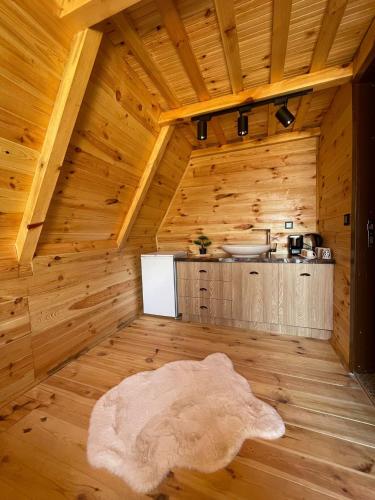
column 279, row 100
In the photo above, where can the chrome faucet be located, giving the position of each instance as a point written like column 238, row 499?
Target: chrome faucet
column 268, row 234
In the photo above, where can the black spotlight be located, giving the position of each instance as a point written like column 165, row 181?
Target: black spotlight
column 202, row 130
column 284, row 116
column 242, row 125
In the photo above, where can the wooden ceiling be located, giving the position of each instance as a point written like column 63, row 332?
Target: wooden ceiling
column 77, row 151
column 186, row 51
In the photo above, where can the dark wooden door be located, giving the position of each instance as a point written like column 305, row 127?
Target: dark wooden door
column 362, row 351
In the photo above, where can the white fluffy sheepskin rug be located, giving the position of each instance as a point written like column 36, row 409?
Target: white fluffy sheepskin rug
column 193, row 414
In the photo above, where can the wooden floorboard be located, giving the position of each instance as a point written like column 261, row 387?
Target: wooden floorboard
column 328, row 450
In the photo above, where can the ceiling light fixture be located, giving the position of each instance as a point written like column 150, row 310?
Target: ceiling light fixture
column 283, row 114
column 242, row 125
column 202, row 127
column 202, row 130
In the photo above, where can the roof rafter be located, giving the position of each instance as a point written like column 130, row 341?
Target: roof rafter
column 280, row 30
column 133, row 41
column 228, row 31
column 331, row 21
column 144, row 183
column 135, row 44
column 177, row 34
column 365, row 51
column 326, row 78
column 72, row 88
column 86, row 13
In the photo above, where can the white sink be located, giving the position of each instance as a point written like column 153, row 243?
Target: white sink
column 246, row 250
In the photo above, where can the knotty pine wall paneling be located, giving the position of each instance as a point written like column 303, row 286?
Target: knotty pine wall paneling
column 81, row 288
column 111, row 143
column 335, row 200
column 225, row 195
column 34, row 44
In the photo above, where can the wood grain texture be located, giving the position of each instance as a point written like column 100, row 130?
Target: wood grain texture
column 254, row 28
column 34, row 45
column 306, row 295
column 145, row 181
column 323, row 79
column 226, row 194
column 226, row 17
column 280, row 33
column 201, row 288
column 335, row 200
column 255, row 292
column 179, row 37
column 327, row 33
column 314, row 29
column 85, row 13
column 204, row 271
column 73, row 84
column 17, row 167
column 111, row 143
column 327, row 448
column 365, row 51
column 162, row 189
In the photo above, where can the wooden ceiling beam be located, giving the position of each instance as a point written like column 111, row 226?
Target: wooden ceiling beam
column 330, row 24
column 72, row 88
column 256, row 143
column 144, row 184
column 135, row 44
column 280, row 31
column 86, row 13
column 331, row 21
column 365, row 52
column 228, row 31
column 178, row 36
column 326, row 78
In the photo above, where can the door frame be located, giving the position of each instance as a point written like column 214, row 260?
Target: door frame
column 356, row 342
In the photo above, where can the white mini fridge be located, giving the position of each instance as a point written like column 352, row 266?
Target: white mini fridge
column 159, row 283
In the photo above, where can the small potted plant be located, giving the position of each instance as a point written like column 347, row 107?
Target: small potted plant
column 203, row 243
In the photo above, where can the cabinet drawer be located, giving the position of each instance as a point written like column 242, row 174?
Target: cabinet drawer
column 206, row 309
column 204, row 271
column 306, row 295
column 255, row 292
column 205, row 289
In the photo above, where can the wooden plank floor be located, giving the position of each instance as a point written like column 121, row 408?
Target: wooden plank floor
column 328, row 450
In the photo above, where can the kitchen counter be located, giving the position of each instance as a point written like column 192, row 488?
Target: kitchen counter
column 273, row 259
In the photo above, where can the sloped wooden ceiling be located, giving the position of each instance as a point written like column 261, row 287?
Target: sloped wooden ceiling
column 156, row 58
column 269, row 40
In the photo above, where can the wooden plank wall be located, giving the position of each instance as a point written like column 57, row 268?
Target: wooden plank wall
column 34, row 45
column 335, row 200
column 81, row 288
column 225, row 195
column 113, row 138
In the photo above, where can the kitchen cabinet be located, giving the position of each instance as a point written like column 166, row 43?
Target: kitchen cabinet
column 204, row 289
column 255, row 292
column 216, row 271
column 280, row 297
column 306, row 295
column 205, row 309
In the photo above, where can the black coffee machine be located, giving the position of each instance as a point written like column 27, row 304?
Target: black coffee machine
column 295, row 244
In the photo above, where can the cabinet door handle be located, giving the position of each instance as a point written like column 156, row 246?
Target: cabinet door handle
column 305, row 274
column 202, row 271
column 203, row 289
column 203, row 307
column 253, row 272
